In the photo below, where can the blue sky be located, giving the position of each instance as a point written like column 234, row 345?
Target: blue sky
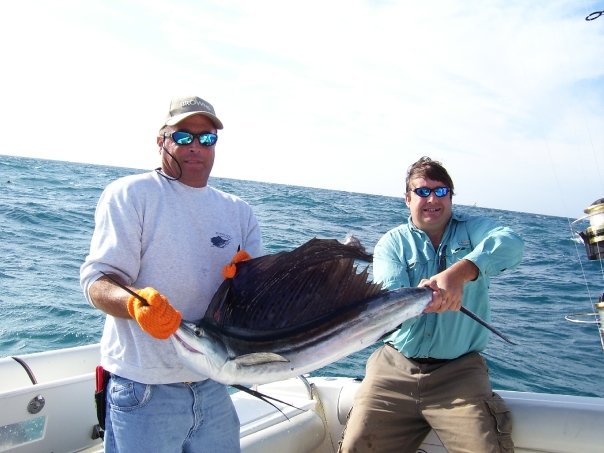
column 339, row 94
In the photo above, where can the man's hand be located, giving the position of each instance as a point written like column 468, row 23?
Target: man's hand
column 230, row 270
column 156, row 317
column 447, row 286
column 446, row 295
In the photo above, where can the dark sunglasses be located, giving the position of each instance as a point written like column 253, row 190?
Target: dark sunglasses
column 425, row 192
column 186, row 138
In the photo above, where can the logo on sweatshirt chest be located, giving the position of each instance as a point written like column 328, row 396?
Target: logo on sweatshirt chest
column 221, row 240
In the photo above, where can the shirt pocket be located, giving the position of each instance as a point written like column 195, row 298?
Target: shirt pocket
column 460, row 252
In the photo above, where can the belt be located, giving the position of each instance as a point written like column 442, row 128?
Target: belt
column 428, row 360
column 422, row 360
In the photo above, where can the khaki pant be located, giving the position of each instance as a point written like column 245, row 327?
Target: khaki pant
column 400, row 400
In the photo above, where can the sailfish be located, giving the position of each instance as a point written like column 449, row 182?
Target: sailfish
column 291, row 313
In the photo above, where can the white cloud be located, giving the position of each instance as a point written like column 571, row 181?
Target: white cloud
column 341, row 94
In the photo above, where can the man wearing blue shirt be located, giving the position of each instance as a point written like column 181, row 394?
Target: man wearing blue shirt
column 430, row 373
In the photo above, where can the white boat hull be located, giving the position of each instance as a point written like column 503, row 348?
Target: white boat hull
column 66, row 420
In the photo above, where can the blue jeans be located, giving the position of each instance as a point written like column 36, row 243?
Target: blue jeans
column 190, row 418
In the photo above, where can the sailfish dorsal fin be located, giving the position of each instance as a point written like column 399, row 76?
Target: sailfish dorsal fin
column 290, row 289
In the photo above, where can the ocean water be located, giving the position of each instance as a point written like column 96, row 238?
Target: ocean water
column 46, row 220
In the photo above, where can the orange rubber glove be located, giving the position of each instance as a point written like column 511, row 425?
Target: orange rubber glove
column 158, row 318
column 230, row 270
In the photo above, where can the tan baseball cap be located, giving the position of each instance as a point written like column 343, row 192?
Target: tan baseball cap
column 182, row 108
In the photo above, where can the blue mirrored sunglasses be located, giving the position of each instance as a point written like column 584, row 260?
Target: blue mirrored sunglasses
column 425, row 192
column 186, row 138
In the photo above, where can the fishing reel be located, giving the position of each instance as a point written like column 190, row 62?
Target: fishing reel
column 593, row 239
column 593, row 235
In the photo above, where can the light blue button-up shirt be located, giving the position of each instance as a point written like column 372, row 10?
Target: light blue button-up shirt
column 405, row 255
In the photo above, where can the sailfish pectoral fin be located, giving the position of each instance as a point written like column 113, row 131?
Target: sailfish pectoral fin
column 258, row 358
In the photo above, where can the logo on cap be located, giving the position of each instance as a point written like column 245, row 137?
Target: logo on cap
column 198, row 102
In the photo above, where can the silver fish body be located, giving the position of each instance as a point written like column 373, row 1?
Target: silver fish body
column 251, row 357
